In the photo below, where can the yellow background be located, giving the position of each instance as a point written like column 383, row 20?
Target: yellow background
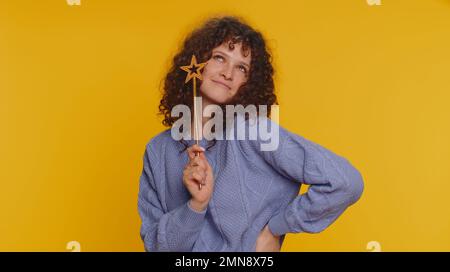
column 79, row 90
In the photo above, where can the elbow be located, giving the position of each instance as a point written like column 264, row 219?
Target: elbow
column 355, row 185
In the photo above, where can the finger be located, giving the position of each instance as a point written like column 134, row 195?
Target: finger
column 203, row 174
column 197, row 177
column 205, row 161
column 197, row 161
column 200, row 172
column 194, row 161
column 204, row 179
column 194, row 149
column 187, row 173
column 194, row 153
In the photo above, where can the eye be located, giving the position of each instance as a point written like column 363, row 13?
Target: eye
column 243, row 69
column 218, row 58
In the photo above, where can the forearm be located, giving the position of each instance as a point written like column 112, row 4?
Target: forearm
column 177, row 230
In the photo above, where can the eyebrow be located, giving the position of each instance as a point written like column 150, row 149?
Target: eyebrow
column 224, row 53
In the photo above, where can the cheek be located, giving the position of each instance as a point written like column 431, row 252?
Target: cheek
column 240, row 80
column 210, row 69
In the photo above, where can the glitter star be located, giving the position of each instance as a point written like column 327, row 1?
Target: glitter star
column 193, row 69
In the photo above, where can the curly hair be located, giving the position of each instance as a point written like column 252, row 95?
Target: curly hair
column 257, row 90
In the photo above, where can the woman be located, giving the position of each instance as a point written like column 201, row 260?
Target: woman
column 233, row 196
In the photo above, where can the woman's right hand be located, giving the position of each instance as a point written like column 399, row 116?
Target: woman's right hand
column 198, row 171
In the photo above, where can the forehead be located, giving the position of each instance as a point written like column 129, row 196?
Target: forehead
column 235, row 51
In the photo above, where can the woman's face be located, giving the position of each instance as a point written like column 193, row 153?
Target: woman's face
column 224, row 73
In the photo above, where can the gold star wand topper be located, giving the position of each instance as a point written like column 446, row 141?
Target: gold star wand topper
column 193, row 71
column 194, row 66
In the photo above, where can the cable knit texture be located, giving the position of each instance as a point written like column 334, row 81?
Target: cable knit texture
column 252, row 188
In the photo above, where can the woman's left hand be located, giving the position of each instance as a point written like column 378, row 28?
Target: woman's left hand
column 267, row 241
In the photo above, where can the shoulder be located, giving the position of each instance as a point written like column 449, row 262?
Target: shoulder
column 159, row 141
column 262, row 134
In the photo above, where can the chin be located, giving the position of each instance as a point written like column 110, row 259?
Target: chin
column 218, row 100
column 216, row 96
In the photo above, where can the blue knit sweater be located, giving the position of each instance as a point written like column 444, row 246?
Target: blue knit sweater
column 252, row 188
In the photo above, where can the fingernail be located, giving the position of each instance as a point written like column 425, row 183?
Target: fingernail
column 202, row 148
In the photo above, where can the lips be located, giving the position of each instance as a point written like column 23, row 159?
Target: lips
column 223, row 84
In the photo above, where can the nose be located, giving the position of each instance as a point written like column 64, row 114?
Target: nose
column 227, row 72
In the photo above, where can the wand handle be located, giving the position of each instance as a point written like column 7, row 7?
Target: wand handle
column 195, row 123
column 199, row 185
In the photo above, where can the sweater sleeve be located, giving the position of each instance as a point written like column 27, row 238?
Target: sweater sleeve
column 334, row 184
column 176, row 230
